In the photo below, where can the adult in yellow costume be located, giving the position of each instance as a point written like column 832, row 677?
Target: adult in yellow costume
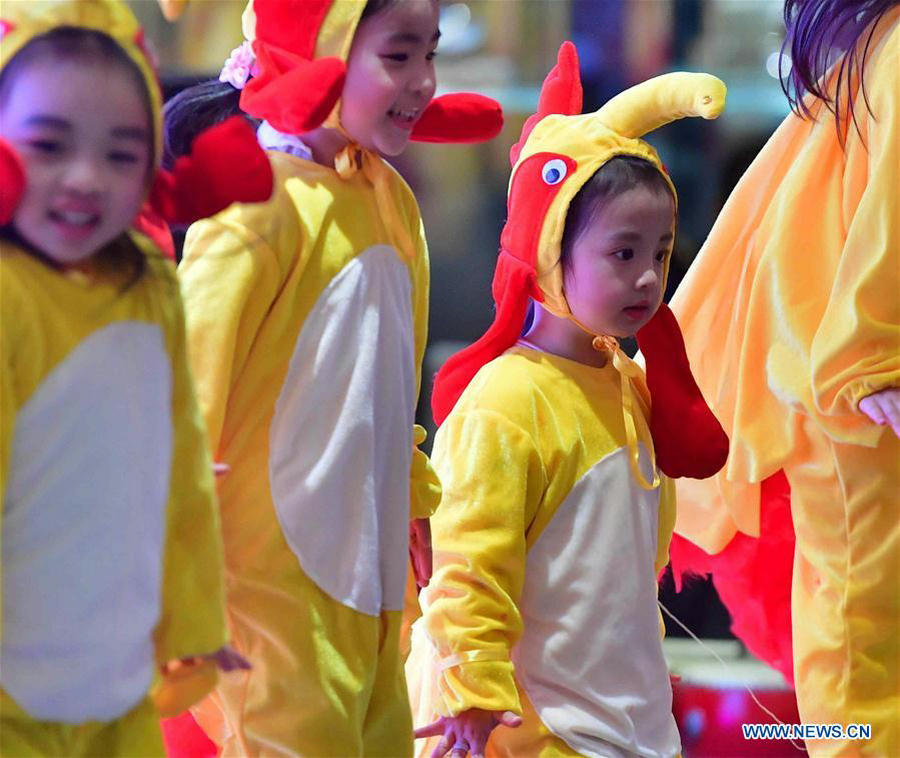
column 555, row 520
column 112, row 565
column 791, row 317
column 307, row 320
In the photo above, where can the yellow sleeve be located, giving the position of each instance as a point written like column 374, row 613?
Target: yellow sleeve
column 665, row 528
column 667, row 514
column 8, row 411
column 493, row 480
column 229, row 279
column 425, row 487
column 856, row 349
column 193, row 595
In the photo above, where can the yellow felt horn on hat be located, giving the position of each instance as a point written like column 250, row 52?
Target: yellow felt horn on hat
column 658, row 101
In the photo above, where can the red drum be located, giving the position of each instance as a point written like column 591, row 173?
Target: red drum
column 711, row 702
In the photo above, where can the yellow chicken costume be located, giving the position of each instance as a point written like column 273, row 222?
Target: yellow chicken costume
column 112, row 558
column 307, row 321
column 554, row 520
column 791, row 315
column 112, row 565
column 110, row 568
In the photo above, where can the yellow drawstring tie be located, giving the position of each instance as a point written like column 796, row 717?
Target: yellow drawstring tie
column 628, row 369
column 353, row 158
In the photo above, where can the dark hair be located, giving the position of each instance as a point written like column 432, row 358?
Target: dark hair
column 70, row 43
column 815, row 30
column 197, row 108
column 374, row 7
column 194, row 110
column 617, row 175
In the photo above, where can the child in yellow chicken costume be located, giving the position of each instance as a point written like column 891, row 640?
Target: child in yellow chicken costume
column 307, row 321
column 112, row 570
column 555, row 519
column 792, row 321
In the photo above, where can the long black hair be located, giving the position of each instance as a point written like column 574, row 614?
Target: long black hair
column 816, row 29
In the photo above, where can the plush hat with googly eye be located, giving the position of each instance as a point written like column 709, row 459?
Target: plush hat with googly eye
column 225, row 165
column 559, row 150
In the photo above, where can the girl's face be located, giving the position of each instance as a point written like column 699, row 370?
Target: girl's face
column 83, row 132
column 614, row 276
column 390, row 75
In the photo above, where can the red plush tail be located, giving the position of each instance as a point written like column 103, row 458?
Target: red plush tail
column 514, row 282
column 12, row 181
column 753, row 577
column 688, row 439
column 225, row 165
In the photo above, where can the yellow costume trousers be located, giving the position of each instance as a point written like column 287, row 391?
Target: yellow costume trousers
column 134, row 735
column 845, row 501
column 327, row 680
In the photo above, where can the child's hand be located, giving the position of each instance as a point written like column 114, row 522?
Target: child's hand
column 468, row 732
column 420, row 550
column 883, row 408
column 220, row 469
column 228, row 659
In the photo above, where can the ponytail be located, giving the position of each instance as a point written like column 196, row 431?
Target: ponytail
column 194, row 110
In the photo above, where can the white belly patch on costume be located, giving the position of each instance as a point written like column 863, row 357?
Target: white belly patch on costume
column 590, row 658
column 84, row 518
column 341, row 437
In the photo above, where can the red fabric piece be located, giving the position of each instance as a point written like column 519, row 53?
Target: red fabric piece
column 12, row 181
column 560, row 93
column 225, row 165
column 184, row 738
column 152, row 225
column 688, row 439
column 290, row 90
column 290, row 24
column 753, row 577
column 294, row 95
column 461, row 117
column 515, row 280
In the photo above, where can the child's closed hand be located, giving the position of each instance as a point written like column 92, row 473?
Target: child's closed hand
column 468, row 732
column 228, row 659
column 420, row 550
column 883, row 408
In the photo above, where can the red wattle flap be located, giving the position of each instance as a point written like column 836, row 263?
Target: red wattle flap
column 687, row 437
column 293, row 94
column 459, row 117
column 12, row 181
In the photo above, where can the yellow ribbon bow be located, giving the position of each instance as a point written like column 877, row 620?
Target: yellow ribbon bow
column 353, row 158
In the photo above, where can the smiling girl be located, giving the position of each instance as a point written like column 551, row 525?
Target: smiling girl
column 113, row 607
column 307, row 320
